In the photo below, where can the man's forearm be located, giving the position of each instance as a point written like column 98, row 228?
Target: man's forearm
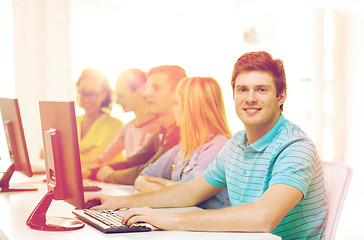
column 178, row 195
column 243, row 218
column 164, row 197
column 132, row 161
column 123, row 176
column 261, row 216
column 142, row 184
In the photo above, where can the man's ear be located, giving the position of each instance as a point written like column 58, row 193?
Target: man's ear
column 282, row 97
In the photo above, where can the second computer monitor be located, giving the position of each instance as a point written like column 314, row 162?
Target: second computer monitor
column 63, row 166
column 59, row 128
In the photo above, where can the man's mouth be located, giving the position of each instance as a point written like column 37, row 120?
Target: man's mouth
column 252, row 110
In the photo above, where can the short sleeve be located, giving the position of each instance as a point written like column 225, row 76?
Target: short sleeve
column 296, row 165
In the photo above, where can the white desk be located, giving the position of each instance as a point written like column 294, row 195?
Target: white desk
column 17, row 206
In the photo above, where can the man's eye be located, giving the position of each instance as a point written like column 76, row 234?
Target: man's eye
column 242, row 90
column 262, row 90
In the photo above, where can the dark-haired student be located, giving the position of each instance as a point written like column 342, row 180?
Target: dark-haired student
column 271, row 170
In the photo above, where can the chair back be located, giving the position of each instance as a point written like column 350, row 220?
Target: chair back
column 337, row 179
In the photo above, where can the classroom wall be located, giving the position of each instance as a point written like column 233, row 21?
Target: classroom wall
column 42, row 60
column 350, row 224
column 43, row 68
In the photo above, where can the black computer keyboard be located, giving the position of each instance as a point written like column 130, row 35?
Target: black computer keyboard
column 107, row 221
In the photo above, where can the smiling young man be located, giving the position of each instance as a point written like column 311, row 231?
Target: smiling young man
column 271, row 169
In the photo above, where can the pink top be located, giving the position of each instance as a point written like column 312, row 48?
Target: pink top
column 131, row 138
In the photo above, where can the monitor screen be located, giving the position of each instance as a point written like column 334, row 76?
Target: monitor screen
column 18, row 152
column 63, row 166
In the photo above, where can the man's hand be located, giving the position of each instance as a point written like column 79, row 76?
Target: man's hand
column 103, row 172
column 107, row 201
column 156, row 218
column 161, row 181
column 147, row 183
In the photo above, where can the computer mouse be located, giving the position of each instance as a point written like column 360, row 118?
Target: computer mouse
column 92, row 202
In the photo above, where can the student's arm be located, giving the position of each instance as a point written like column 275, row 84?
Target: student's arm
column 198, row 190
column 123, row 176
column 122, row 172
column 114, row 171
column 147, row 183
column 141, row 157
column 157, row 174
column 261, row 216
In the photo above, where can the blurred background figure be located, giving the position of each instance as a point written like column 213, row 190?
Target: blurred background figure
column 129, row 90
column 96, row 128
column 159, row 93
column 200, row 114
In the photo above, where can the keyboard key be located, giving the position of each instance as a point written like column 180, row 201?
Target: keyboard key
column 108, row 221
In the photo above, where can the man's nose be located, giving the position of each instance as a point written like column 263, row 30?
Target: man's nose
column 251, row 97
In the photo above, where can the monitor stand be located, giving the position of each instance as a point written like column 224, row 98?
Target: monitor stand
column 39, row 221
column 19, row 187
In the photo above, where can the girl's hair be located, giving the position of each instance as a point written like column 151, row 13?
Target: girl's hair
column 202, row 113
column 134, row 78
column 96, row 74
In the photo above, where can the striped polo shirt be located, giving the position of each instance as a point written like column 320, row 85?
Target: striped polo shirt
column 284, row 155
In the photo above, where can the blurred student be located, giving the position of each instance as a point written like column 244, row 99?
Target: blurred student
column 96, row 128
column 271, row 169
column 160, row 90
column 129, row 90
column 200, row 114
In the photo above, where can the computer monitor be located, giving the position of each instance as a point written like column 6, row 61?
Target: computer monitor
column 18, row 152
column 63, row 166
